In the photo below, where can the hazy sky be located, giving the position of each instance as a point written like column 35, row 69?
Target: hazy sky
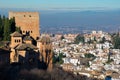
column 61, row 4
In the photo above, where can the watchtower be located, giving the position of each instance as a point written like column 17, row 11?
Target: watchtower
column 28, row 22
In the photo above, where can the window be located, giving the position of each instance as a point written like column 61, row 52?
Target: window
column 24, row 15
column 19, row 40
column 31, row 31
column 29, row 15
column 23, row 31
column 15, row 40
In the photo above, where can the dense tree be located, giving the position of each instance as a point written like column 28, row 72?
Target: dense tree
column 58, row 59
column 7, row 26
column 12, row 25
column 78, row 39
column 7, row 30
column 103, row 40
column 1, row 28
column 0, row 20
column 116, row 41
column 1, row 33
column 89, row 55
column 18, row 29
column 62, row 37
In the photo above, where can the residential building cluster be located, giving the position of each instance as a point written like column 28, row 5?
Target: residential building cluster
column 105, row 60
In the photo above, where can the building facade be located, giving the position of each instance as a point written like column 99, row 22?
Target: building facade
column 23, row 49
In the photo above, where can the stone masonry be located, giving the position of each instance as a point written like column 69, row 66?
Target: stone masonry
column 28, row 22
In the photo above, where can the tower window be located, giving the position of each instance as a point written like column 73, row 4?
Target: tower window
column 23, row 31
column 31, row 31
column 29, row 15
column 24, row 15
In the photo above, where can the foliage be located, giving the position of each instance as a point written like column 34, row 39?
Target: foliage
column 1, row 28
column 58, row 59
column 12, row 24
column 116, row 41
column 78, row 39
column 54, row 59
column 7, row 30
column 89, row 55
column 7, row 26
column 88, row 65
column 18, row 29
column 62, row 37
column 109, row 61
column 103, row 40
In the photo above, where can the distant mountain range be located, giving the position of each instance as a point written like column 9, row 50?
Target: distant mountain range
column 55, row 21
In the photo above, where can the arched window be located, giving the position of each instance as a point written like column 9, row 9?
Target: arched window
column 19, row 40
column 15, row 41
column 24, row 15
column 23, row 31
column 31, row 31
column 29, row 15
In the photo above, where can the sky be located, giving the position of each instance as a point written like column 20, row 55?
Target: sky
column 61, row 4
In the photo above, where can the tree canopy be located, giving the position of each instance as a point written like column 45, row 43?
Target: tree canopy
column 116, row 41
column 7, row 26
column 79, row 38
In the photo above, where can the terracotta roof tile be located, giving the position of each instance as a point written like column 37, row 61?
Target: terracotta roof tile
column 16, row 34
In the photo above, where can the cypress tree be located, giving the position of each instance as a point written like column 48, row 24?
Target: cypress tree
column 7, row 30
column 1, row 29
column 12, row 25
column 3, row 20
column 0, row 20
column 18, row 29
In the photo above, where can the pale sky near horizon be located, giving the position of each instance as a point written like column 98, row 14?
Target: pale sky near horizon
column 61, row 4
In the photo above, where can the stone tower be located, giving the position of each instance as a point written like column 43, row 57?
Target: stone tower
column 28, row 22
column 45, row 48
